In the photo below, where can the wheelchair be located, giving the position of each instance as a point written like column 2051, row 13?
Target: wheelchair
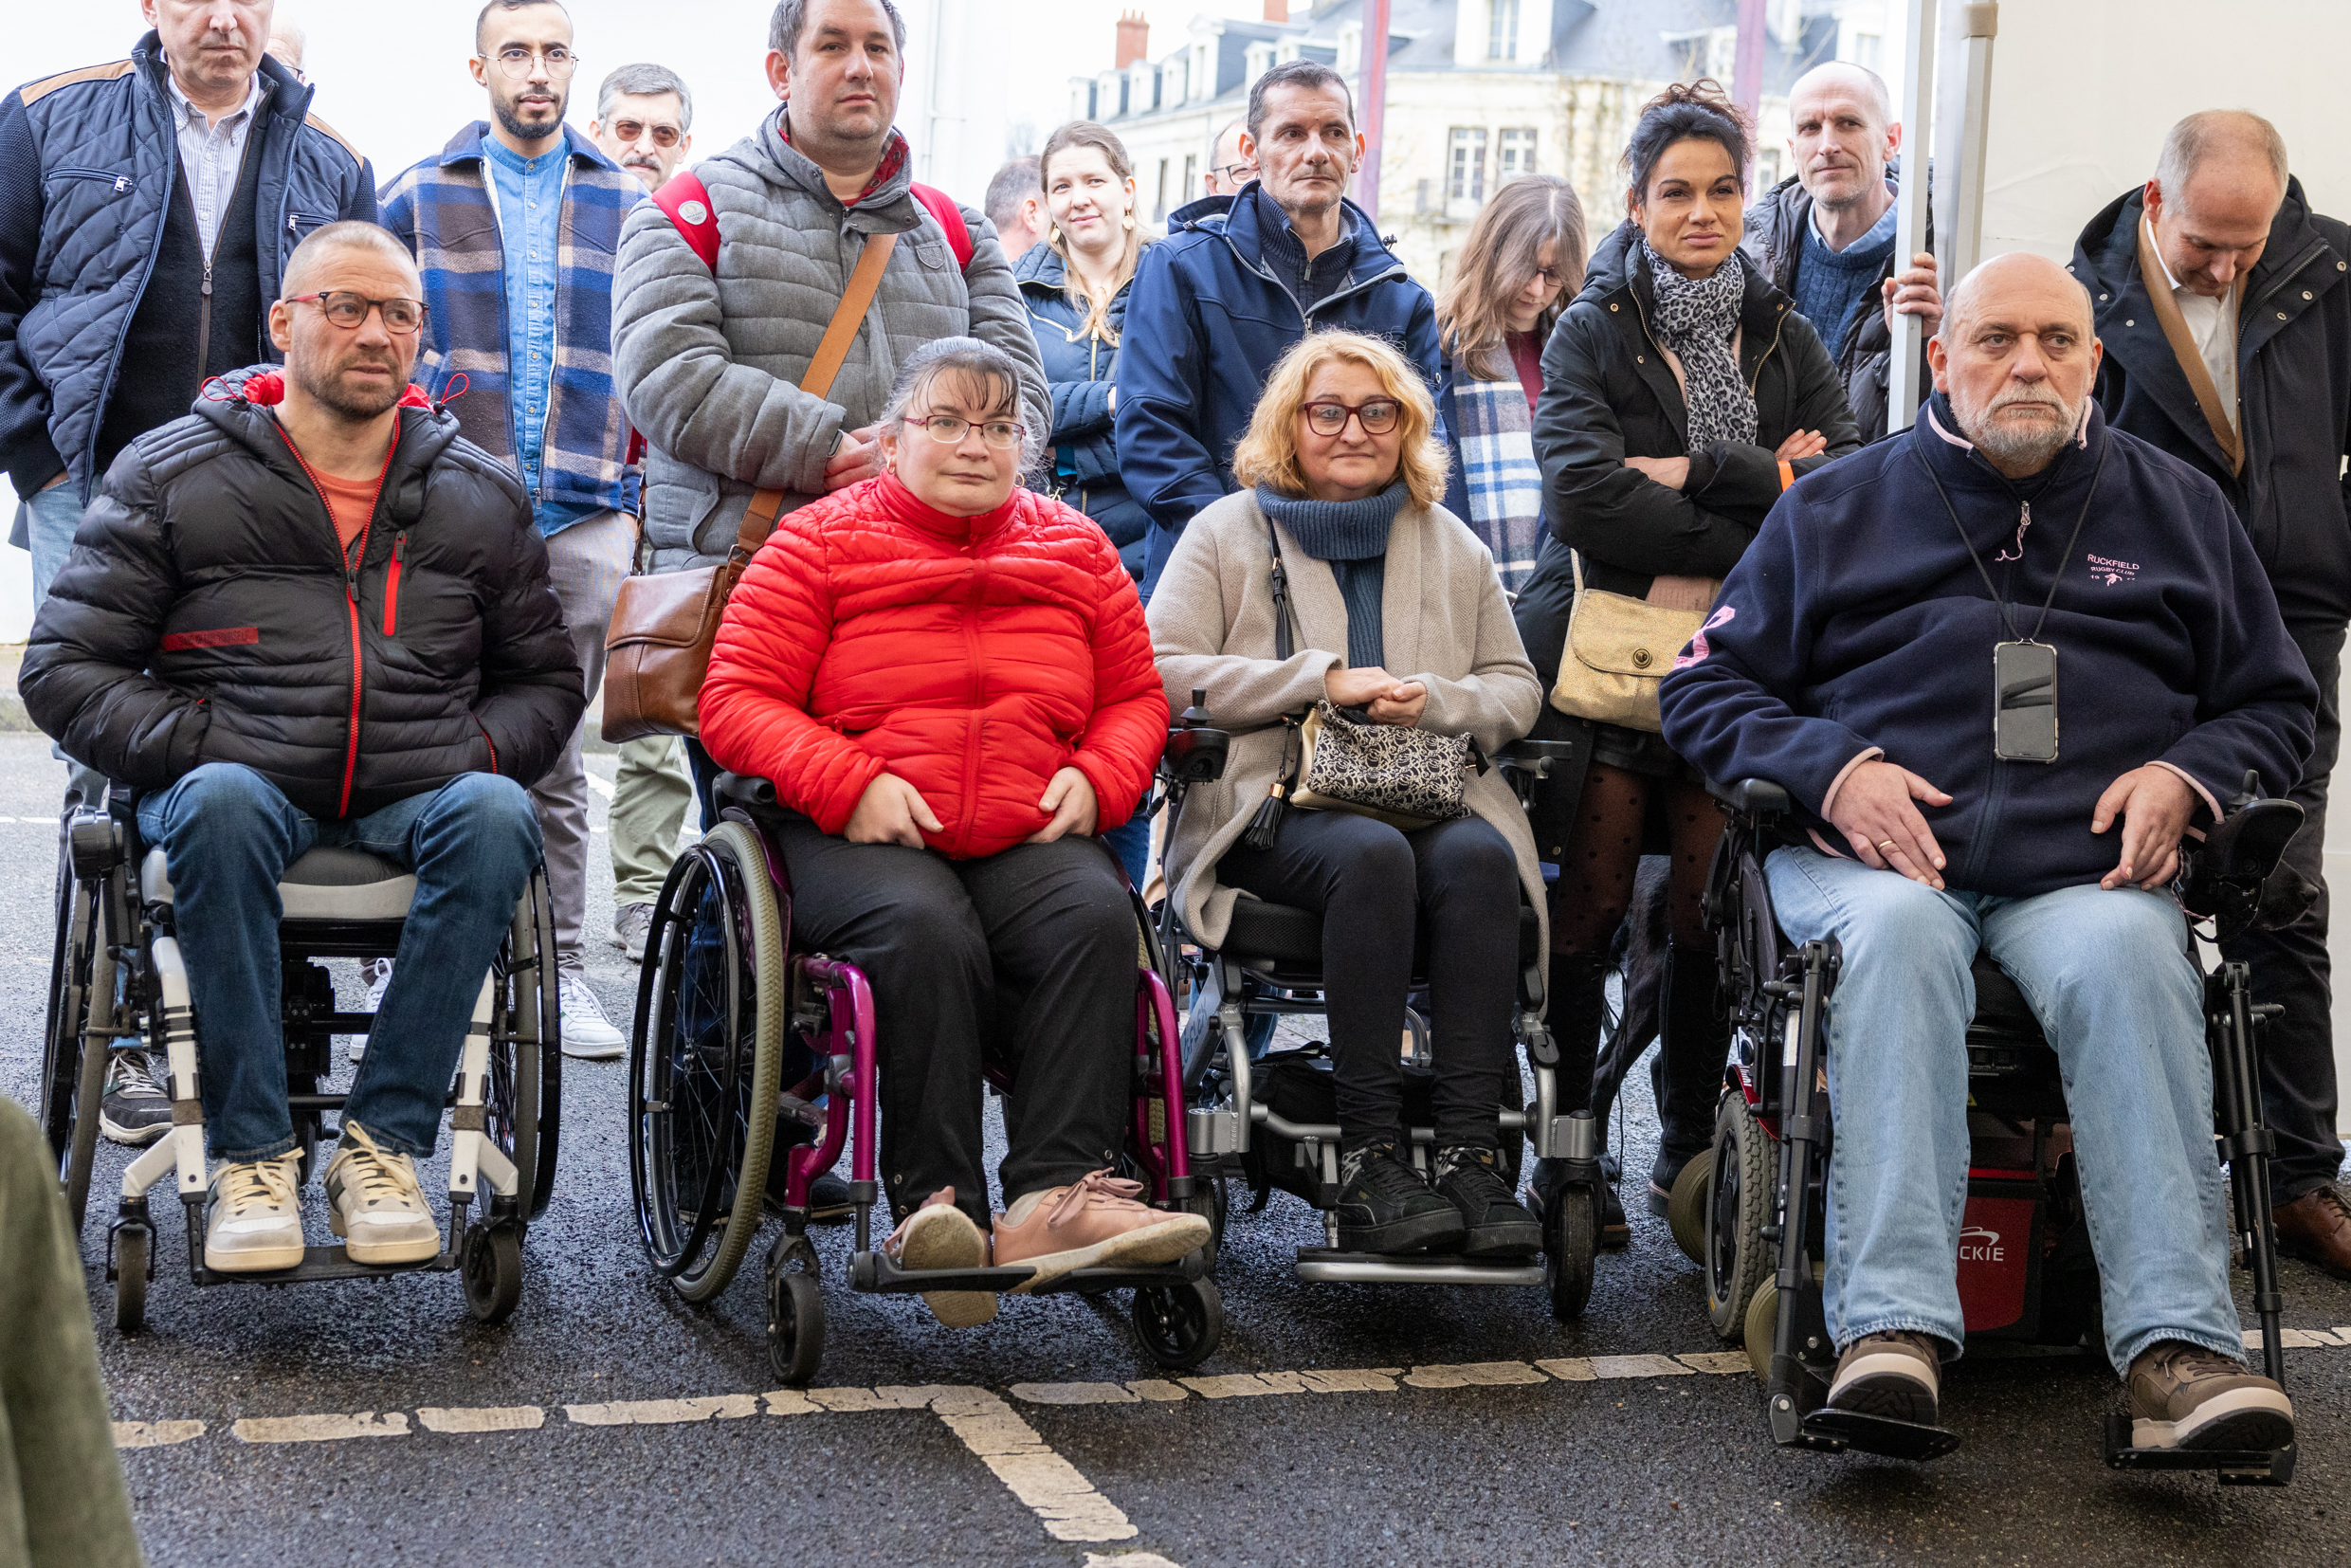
column 1751, row 1213
column 118, row 973
column 737, row 1028
column 1270, row 966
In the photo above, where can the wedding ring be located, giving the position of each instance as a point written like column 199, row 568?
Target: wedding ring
column 1886, row 845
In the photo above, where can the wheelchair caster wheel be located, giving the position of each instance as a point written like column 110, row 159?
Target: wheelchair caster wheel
column 134, row 1251
column 1180, row 1326
column 1571, row 1229
column 1763, row 1317
column 492, row 1270
column 1209, row 1203
column 796, row 1326
column 1686, row 1206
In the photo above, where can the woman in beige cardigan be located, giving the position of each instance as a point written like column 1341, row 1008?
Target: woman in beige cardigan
column 1381, row 579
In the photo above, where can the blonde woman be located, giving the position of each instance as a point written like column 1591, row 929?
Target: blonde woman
column 1523, row 263
column 1397, row 613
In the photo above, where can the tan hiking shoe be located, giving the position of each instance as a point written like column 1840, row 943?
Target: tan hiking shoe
column 2185, row 1396
column 1896, row 1375
column 1093, row 1223
column 939, row 1235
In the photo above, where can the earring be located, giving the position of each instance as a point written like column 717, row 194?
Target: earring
column 1129, row 225
column 1052, row 234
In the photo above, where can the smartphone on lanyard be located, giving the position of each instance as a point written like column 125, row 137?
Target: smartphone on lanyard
column 2024, row 712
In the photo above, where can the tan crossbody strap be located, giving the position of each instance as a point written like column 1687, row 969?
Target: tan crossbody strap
column 2183, row 346
column 864, row 281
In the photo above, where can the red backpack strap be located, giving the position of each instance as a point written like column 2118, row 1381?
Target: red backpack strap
column 688, row 206
column 950, row 218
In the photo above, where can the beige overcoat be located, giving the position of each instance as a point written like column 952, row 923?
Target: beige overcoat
column 1442, row 619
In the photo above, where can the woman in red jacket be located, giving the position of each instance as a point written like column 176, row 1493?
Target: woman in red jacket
column 948, row 681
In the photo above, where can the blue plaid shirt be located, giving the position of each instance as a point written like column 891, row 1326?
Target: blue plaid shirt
column 529, row 194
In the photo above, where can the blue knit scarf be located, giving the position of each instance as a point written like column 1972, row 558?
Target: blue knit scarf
column 1352, row 535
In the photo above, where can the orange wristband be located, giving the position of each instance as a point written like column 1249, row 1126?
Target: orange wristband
column 1787, row 474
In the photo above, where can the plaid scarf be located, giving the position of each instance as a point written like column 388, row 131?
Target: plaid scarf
column 1496, row 431
column 1696, row 318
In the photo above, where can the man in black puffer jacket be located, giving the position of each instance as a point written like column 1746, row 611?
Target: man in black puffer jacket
column 310, row 614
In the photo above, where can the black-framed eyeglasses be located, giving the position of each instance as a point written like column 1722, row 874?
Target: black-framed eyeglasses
column 1548, row 276
column 630, row 131
column 516, row 60
column 949, row 429
column 1377, row 417
column 349, row 310
column 1238, row 173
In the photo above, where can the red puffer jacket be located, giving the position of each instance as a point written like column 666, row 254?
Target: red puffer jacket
column 972, row 657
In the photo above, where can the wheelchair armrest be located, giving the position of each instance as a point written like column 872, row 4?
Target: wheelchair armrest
column 2249, row 841
column 2238, row 875
column 745, row 791
column 1535, row 757
column 1196, row 754
column 1753, row 798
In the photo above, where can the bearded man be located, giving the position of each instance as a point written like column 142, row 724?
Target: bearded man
column 2009, row 554
column 308, row 613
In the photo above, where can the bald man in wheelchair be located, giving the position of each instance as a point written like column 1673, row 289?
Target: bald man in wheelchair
column 2001, row 664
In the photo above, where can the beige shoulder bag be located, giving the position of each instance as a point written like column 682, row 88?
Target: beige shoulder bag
column 1618, row 650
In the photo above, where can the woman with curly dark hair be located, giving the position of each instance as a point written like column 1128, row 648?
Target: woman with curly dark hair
column 1682, row 392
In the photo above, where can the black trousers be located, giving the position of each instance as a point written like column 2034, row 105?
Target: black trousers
column 2291, row 966
column 1031, row 950
column 1449, row 892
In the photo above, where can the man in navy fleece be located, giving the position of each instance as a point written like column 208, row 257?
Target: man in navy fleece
column 1849, row 658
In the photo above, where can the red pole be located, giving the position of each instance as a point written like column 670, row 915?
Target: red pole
column 1375, row 83
column 1747, row 63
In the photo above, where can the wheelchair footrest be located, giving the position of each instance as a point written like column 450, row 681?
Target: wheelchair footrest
column 327, row 1263
column 878, row 1273
column 2246, row 1468
column 1879, row 1435
column 1323, row 1266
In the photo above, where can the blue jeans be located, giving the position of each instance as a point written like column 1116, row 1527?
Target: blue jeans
column 51, row 517
column 2108, row 975
column 227, row 834
column 1131, row 842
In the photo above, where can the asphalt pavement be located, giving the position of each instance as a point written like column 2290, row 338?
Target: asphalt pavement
column 609, row 1423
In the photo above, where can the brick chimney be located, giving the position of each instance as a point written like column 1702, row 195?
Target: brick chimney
column 1276, row 11
column 1134, row 39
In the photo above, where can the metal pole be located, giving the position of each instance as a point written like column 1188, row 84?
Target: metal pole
column 1980, row 23
column 1903, row 393
column 1747, row 61
column 1373, row 77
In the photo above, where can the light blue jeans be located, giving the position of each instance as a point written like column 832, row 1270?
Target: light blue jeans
column 51, row 518
column 2108, row 973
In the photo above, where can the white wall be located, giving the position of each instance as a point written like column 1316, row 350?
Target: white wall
column 2082, row 93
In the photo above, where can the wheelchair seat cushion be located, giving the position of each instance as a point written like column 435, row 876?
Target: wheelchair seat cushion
column 324, row 885
column 2001, row 1011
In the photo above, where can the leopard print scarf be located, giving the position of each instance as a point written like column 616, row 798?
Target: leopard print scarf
column 1696, row 318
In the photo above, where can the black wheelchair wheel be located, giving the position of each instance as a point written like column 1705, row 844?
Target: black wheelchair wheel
column 491, row 1268
column 67, row 1111
column 524, row 1092
column 134, row 1252
column 1180, row 1326
column 706, row 1061
column 1739, row 1204
column 796, row 1326
column 1571, row 1235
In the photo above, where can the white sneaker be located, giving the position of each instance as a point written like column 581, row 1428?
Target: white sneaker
column 587, row 1033
column 375, row 1204
column 257, row 1215
column 377, row 973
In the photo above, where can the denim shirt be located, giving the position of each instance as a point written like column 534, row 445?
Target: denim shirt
column 528, row 195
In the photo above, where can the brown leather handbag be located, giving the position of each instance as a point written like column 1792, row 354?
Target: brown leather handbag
column 664, row 624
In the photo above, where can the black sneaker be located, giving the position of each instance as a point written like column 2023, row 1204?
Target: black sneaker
column 1472, row 1180
column 828, row 1200
column 135, row 1110
column 1384, row 1206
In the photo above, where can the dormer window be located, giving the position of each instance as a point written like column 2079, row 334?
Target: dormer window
column 1502, row 30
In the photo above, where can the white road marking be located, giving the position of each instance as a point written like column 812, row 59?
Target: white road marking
column 483, row 1418
column 1064, row 1500
column 1473, row 1374
column 1128, row 1560
column 320, row 1429
column 600, row 786
column 154, row 1434
column 663, row 1413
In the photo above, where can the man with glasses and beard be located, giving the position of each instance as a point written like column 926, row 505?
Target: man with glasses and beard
column 2012, row 543
column 515, row 225
column 308, row 613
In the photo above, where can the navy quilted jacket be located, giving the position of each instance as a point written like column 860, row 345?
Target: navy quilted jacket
column 87, row 164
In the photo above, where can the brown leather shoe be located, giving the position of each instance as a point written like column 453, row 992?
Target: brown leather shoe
column 2316, row 1228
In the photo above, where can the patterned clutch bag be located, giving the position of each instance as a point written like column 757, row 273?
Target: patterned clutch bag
column 1408, row 779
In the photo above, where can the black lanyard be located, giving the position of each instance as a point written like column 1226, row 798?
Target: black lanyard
column 2055, row 576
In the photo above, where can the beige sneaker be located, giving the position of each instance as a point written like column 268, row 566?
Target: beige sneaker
column 2185, row 1396
column 1094, row 1223
column 375, row 1203
column 939, row 1235
column 256, row 1221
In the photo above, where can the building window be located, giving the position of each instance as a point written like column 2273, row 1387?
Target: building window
column 1867, row 47
column 1192, row 177
column 1465, row 176
column 1515, row 153
column 1160, row 216
column 1501, row 33
column 1766, row 169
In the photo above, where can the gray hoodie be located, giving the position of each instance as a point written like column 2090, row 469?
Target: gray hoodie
column 709, row 367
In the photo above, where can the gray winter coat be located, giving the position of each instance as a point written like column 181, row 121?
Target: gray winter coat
column 710, row 368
